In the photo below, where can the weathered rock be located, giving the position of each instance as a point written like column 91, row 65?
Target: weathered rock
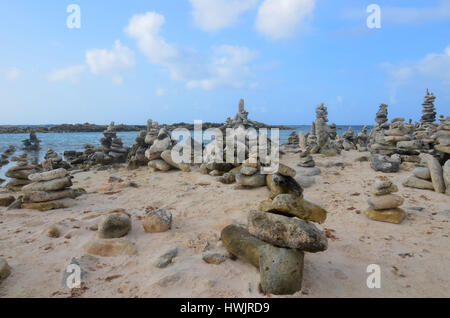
column 45, row 206
column 114, row 225
column 6, row 200
column 215, row 258
column 167, row 157
column 159, row 165
column 299, row 207
column 286, row 171
column 17, row 204
column 21, row 172
column 166, row 259
column 160, row 145
column 279, row 184
column 305, row 181
column 446, row 175
column 216, row 173
column 5, row 270
column 436, row 173
column 48, row 176
column 158, row 221
column 16, row 185
column 53, row 185
column 281, row 270
column 248, row 171
column 43, row 196
column 309, row 172
column 255, row 181
column 413, row 182
column 240, row 243
column 389, row 201
column 422, row 173
column 384, row 164
column 395, row 216
column 286, row 232
column 228, row 178
column 110, row 247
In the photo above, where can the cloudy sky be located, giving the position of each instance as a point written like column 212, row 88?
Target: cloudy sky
column 186, row 60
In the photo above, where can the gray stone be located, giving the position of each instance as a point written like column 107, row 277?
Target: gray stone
column 114, row 225
column 248, row 171
column 309, row 172
column 384, row 164
column 305, row 181
column 413, row 182
column 422, row 173
column 436, row 172
column 52, row 185
column 48, row 176
column 159, row 164
column 45, row 196
column 286, row 232
column 166, row 259
column 167, row 157
column 158, row 221
column 281, row 270
column 255, row 181
column 215, row 258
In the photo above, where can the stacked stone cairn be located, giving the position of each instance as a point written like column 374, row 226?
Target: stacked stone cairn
column 32, row 143
column 48, row 190
column 442, row 137
column 349, row 140
column 6, row 154
column 293, row 140
column 362, row 140
column 427, row 126
column 277, row 236
column 19, row 173
column 430, row 175
column 53, row 161
column 322, row 138
column 112, row 147
column 385, row 206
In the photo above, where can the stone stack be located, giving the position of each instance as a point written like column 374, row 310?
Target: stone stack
column 32, row 143
column 19, row 174
column 428, row 111
column 6, row 154
column 420, row 179
column 385, row 206
column 442, row 137
column 136, row 156
column 293, row 140
column 349, row 140
column 47, row 190
column 362, row 140
column 306, row 160
column 278, row 235
column 431, row 176
column 112, row 147
column 53, row 161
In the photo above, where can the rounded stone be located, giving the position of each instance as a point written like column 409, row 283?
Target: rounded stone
column 383, row 202
column 114, row 225
column 158, row 221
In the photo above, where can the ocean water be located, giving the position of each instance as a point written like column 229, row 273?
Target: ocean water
column 61, row 142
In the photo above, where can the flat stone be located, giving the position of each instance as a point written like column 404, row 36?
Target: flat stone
column 5, row 269
column 6, row 199
column 166, row 259
column 52, row 185
column 48, row 176
column 413, row 182
column 383, row 202
column 281, row 270
column 305, row 181
column 309, row 172
column 286, row 171
column 248, row 171
column 21, row 172
column 446, row 175
column 299, row 207
column 158, row 221
column 215, row 258
column 441, row 148
column 45, row 196
column 279, row 184
column 395, row 216
column 422, row 173
column 167, row 157
column 255, row 181
column 240, row 243
column 286, row 232
column 114, row 225
column 45, row 206
column 110, row 247
column 160, row 165
column 160, row 145
column 436, row 172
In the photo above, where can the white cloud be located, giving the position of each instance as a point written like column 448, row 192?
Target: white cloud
column 111, row 62
column 14, row 74
column 279, row 19
column 160, row 92
column 226, row 66
column 71, row 74
column 145, row 29
column 433, row 67
column 214, row 15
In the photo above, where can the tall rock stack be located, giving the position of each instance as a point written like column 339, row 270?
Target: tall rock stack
column 385, row 206
column 53, row 161
column 6, row 154
column 322, row 138
column 112, row 146
column 32, row 143
column 19, row 174
column 294, row 140
column 362, row 140
column 428, row 111
column 47, row 190
column 278, row 235
column 349, row 142
column 306, row 160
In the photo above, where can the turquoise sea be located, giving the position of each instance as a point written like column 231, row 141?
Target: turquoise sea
column 61, row 142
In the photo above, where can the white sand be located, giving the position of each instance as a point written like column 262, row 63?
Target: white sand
column 201, row 208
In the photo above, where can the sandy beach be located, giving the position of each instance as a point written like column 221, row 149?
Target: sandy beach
column 414, row 256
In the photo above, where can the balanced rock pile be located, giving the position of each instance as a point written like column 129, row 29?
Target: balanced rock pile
column 427, row 126
column 430, row 176
column 428, row 111
column 112, row 147
column 349, row 140
column 47, row 190
column 53, row 161
column 293, row 140
column 322, row 138
column 306, row 160
column 362, row 140
column 384, row 206
column 32, row 143
column 278, row 235
column 19, row 173
column 442, row 136
column 6, row 154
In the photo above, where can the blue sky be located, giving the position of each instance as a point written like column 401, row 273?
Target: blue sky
column 186, row 60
